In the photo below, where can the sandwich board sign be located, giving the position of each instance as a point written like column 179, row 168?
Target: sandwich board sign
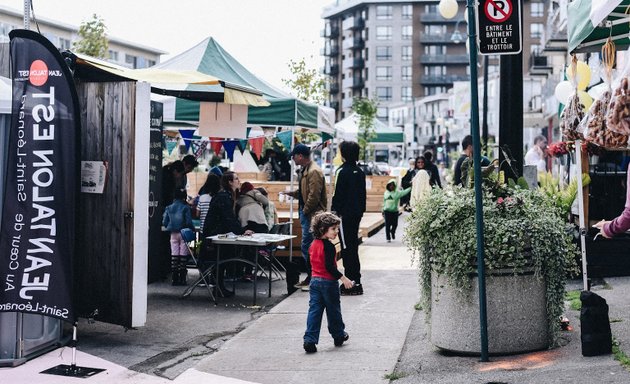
column 499, row 27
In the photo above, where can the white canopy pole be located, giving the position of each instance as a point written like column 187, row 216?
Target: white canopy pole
column 27, row 14
column 580, row 197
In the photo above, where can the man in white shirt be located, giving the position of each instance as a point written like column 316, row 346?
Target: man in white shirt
column 536, row 154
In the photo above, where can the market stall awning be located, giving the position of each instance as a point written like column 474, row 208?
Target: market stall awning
column 591, row 22
column 285, row 110
column 348, row 129
column 168, row 81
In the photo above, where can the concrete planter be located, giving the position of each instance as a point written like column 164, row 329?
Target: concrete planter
column 517, row 316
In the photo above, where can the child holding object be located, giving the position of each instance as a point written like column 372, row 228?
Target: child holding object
column 178, row 216
column 324, row 291
column 391, row 197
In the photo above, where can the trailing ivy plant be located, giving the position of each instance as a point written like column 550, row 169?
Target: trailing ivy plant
column 523, row 231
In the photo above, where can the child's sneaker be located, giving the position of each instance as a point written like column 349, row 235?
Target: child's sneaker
column 311, row 347
column 340, row 340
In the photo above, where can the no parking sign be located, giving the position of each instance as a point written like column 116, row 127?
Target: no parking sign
column 499, row 27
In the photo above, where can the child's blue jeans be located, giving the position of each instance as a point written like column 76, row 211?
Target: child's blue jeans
column 324, row 294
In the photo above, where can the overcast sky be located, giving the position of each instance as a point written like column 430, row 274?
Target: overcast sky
column 262, row 34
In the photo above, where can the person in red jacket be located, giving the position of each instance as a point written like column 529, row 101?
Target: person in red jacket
column 324, row 291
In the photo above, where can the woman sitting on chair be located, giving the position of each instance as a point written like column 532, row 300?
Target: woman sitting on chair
column 221, row 217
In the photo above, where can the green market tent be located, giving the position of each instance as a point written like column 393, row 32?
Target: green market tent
column 348, row 129
column 591, row 22
column 285, row 110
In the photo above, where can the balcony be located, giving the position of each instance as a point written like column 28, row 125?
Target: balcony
column 353, row 43
column 330, row 50
column 442, row 79
column 436, row 18
column 438, row 38
column 538, row 66
column 444, row 59
column 331, row 70
column 353, row 63
column 554, row 37
column 333, row 88
column 353, row 82
column 352, row 23
column 334, row 105
column 330, row 32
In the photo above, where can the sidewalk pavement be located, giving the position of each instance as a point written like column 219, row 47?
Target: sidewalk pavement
column 388, row 340
column 265, row 349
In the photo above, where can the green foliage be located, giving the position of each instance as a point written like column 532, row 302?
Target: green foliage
column 93, row 38
column 522, row 231
column 573, row 297
column 308, row 83
column 562, row 195
column 365, row 109
column 620, row 355
column 394, row 376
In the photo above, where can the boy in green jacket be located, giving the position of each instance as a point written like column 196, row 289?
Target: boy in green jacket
column 391, row 197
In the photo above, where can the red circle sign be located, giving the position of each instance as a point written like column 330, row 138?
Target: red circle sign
column 38, row 74
column 498, row 11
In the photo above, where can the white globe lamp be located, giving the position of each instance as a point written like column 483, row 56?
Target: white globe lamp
column 448, row 8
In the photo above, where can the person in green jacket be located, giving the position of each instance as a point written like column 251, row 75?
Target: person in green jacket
column 391, row 197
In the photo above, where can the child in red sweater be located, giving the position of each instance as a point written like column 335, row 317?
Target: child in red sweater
column 324, row 291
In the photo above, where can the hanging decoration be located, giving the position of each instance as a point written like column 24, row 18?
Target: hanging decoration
column 230, row 146
column 256, row 145
column 285, row 139
column 215, row 145
column 187, row 135
column 202, row 147
column 170, row 145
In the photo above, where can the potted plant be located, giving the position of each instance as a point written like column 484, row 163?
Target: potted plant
column 528, row 255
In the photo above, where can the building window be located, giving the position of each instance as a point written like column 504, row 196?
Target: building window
column 383, row 53
column 383, row 12
column 537, row 9
column 113, row 55
column 405, row 73
column 384, row 93
column 405, row 93
column 536, row 30
column 407, row 32
column 431, row 8
column 435, row 50
column 381, row 113
column 131, row 60
column 435, row 29
column 407, row 11
column 384, row 73
column 405, row 52
column 536, row 49
column 150, row 63
column 384, row 33
column 64, row 44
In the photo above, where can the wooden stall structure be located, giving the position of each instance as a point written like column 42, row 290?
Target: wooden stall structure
column 372, row 219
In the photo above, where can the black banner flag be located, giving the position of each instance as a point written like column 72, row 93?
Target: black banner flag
column 37, row 239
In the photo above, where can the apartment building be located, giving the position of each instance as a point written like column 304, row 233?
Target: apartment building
column 63, row 36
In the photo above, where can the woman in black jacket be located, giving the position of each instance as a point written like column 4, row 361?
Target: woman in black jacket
column 221, row 218
column 349, row 203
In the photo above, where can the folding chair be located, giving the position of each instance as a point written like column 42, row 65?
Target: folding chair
column 204, row 272
column 276, row 266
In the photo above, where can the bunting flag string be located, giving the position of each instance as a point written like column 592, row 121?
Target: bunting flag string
column 285, row 139
column 215, row 145
column 201, row 149
column 187, row 135
column 230, row 146
column 170, row 145
column 256, row 144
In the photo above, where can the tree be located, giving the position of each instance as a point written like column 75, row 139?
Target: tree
column 308, row 83
column 365, row 108
column 93, row 38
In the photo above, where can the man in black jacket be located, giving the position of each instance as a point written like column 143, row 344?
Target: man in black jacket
column 349, row 203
